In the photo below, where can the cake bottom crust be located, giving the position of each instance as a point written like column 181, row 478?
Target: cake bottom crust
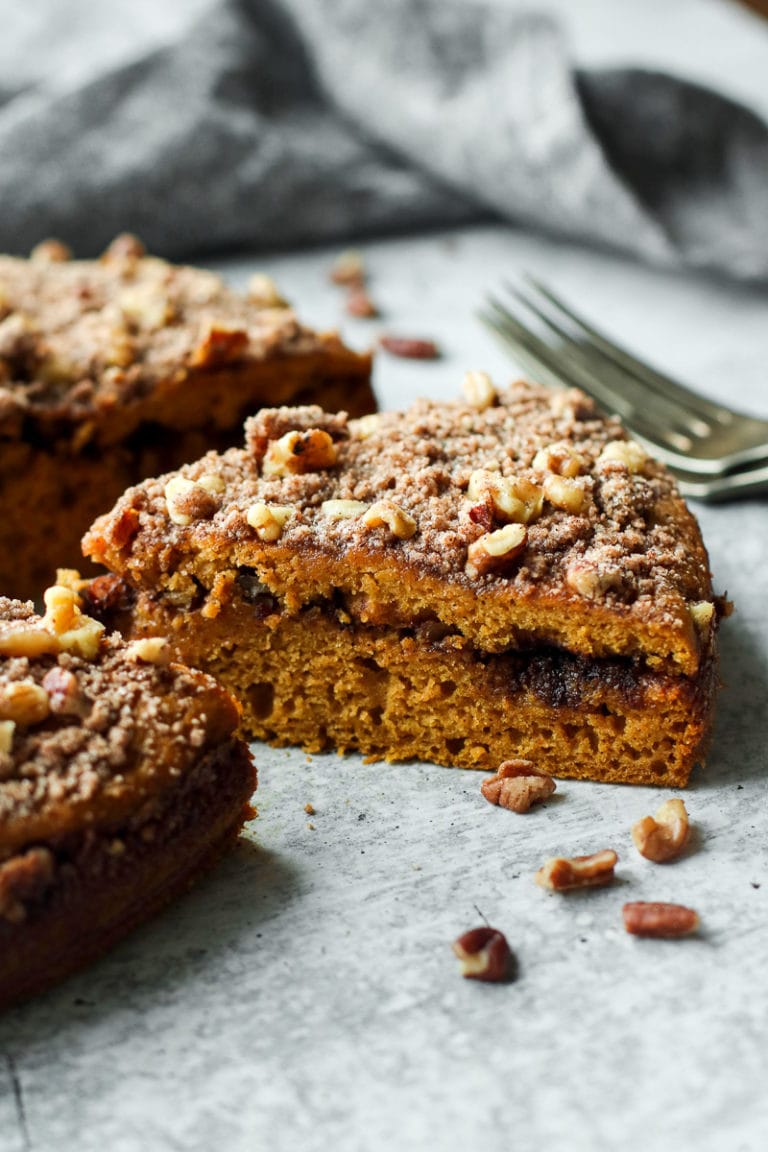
column 320, row 681
column 99, row 886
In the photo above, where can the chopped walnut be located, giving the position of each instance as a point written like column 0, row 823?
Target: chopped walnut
column 565, row 493
column 559, row 458
column 590, row 581
column 50, row 252
column 299, row 452
column 73, row 631
column 126, row 246
column 268, row 520
column 188, row 501
column 263, row 291
column 343, row 509
column 663, row 921
column 495, row 551
column 23, row 702
column 149, row 650
column 212, row 483
column 387, row 514
column 517, row 785
column 479, row 390
column 514, row 499
column 146, row 306
column 664, row 837
column 366, row 426
column 219, row 345
column 562, row 874
column 627, row 452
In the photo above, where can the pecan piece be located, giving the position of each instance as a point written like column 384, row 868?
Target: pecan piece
column 410, row 348
column 561, row 873
column 359, row 303
column 663, row 921
column 484, row 954
column 663, row 837
column 517, row 785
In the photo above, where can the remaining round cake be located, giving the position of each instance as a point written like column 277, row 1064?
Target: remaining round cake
column 115, row 369
column 121, row 780
column 506, row 576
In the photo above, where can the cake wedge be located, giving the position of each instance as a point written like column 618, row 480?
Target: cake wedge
column 503, row 576
column 121, row 781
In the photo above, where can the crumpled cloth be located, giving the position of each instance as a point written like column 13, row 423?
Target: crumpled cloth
column 273, row 123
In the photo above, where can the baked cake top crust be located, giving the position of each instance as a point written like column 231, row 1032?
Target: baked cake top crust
column 518, row 519
column 78, row 338
column 93, row 731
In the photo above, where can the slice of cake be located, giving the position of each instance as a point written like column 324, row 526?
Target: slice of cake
column 508, row 576
column 120, row 368
column 121, row 781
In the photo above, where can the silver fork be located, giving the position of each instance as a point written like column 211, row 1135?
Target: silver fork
column 716, row 452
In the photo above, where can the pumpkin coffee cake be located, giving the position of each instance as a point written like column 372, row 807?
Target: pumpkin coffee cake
column 462, row 582
column 121, row 780
column 119, row 368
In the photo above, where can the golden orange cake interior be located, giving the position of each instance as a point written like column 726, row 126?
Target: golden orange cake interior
column 121, row 780
column 463, row 582
column 119, row 368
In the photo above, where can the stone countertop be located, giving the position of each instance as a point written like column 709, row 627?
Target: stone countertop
column 304, row 996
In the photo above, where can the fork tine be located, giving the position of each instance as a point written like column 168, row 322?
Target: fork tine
column 670, row 415
column 572, row 374
column 659, row 382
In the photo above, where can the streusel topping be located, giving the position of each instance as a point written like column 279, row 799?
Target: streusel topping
column 78, row 336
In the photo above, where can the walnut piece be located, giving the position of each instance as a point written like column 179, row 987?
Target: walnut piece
column 64, row 695
column 189, row 500
column 663, row 921
column 561, row 873
column 23, row 702
column 268, row 520
column 220, row 345
column 566, row 493
column 515, row 500
column 517, row 785
column 263, row 292
column 149, row 650
column 359, row 303
column 50, row 252
column 299, row 452
column 73, row 631
column 479, row 390
column 410, row 347
column 495, row 551
column 663, row 837
column 590, row 581
column 343, row 509
column 484, row 954
column 627, row 452
column 559, row 458
column 387, row 514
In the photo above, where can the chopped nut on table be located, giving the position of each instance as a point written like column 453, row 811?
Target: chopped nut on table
column 664, row 921
column 484, row 955
column 663, row 837
column 517, row 785
column 562, row 874
column 410, row 348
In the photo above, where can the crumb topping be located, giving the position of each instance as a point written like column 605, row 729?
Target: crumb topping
column 601, row 527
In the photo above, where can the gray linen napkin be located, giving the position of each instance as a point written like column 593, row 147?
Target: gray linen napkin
column 282, row 122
